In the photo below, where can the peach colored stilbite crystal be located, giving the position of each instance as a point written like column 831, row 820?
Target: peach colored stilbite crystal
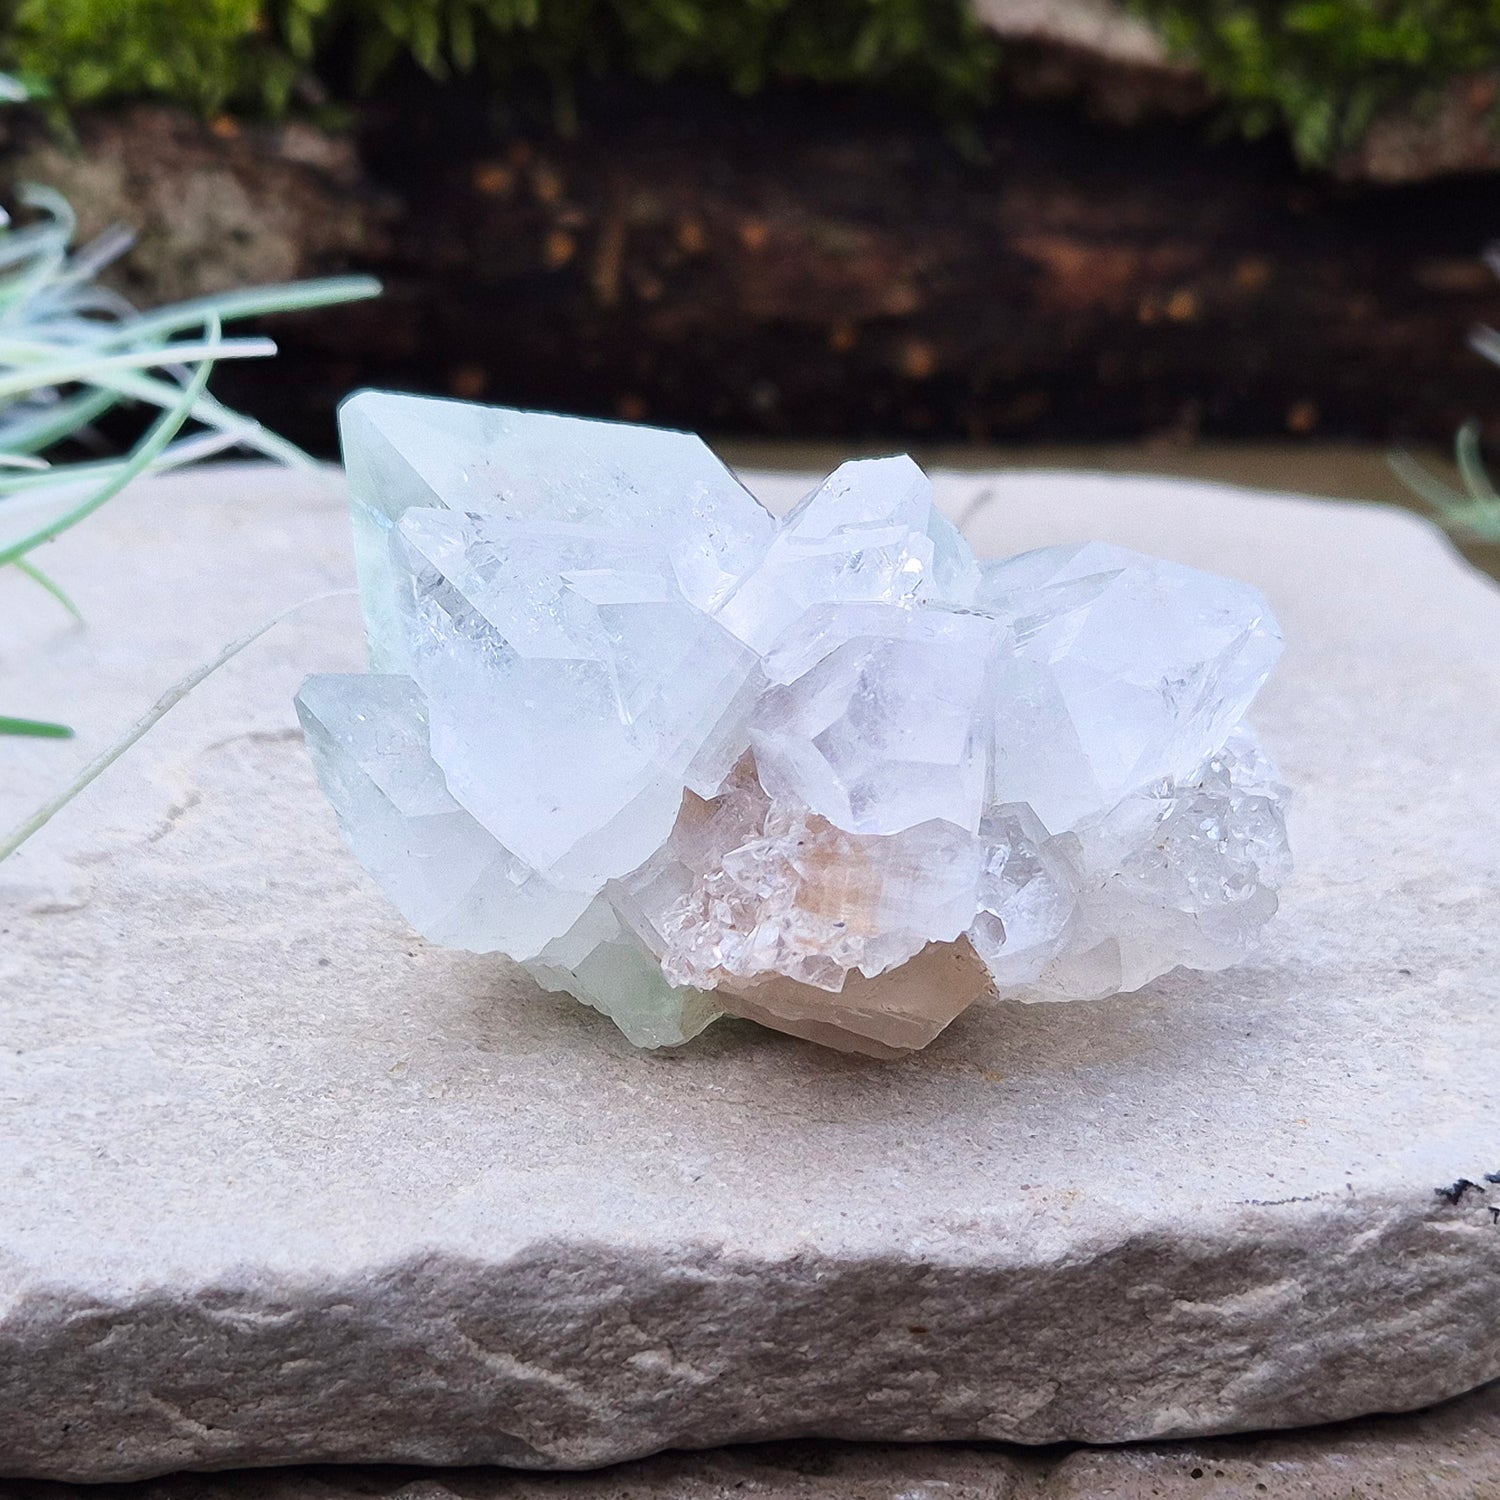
column 895, row 1013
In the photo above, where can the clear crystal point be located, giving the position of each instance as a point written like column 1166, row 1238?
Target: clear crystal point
column 519, row 634
column 409, row 451
column 867, row 533
column 829, row 773
column 1125, row 670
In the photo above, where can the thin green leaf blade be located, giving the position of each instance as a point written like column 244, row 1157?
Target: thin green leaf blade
column 37, row 729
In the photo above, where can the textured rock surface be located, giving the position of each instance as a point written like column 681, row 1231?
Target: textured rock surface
column 282, row 1184
column 1450, row 133
column 1451, row 1452
column 211, row 210
column 1100, row 26
column 1096, row 50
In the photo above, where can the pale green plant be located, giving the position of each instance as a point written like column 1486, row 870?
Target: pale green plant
column 71, row 350
column 1473, row 512
column 169, row 700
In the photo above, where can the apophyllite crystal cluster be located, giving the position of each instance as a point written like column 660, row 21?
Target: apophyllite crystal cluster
column 682, row 759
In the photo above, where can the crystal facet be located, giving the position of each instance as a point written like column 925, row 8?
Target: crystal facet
column 590, row 627
column 829, row 773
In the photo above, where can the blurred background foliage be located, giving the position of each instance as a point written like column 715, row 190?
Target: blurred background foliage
column 1101, row 260
column 1321, row 69
column 213, row 54
column 1325, row 68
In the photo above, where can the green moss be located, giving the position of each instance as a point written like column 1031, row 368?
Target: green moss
column 1322, row 69
column 1319, row 69
column 212, row 53
column 201, row 52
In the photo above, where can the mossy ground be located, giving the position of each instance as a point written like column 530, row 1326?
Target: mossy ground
column 218, row 53
column 1323, row 69
column 1319, row 69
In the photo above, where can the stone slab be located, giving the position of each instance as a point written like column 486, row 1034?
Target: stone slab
column 1450, row 1452
column 281, row 1185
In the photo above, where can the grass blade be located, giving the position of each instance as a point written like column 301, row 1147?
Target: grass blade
column 87, row 365
column 254, row 302
column 1417, row 477
column 35, row 729
column 30, row 434
column 146, row 451
column 52, row 586
column 148, row 720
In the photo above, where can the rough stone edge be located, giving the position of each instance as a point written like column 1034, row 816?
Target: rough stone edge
column 571, row 1356
column 1436, row 1454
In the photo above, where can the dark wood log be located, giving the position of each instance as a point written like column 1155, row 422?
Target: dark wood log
column 819, row 266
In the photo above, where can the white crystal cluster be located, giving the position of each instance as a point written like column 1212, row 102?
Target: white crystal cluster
column 680, row 758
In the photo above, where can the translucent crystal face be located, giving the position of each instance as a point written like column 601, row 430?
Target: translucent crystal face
column 453, row 880
column 867, row 533
column 829, row 773
column 1144, row 665
column 405, row 452
column 883, row 723
column 750, row 885
column 587, row 625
